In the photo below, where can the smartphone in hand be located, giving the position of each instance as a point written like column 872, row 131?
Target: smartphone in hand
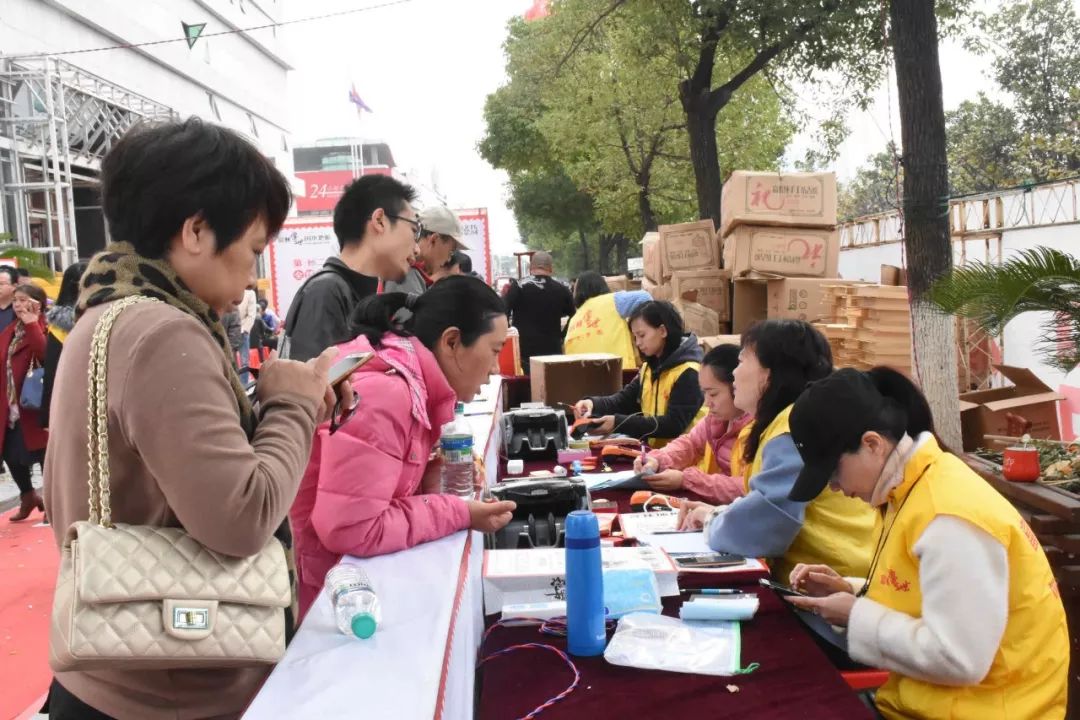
column 347, row 365
column 782, row 590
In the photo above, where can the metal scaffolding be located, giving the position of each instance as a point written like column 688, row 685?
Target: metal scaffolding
column 57, row 121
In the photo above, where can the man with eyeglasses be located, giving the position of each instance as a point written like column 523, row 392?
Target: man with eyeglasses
column 439, row 239
column 378, row 230
column 9, row 280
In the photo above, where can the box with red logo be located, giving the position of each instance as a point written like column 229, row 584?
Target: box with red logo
column 782, row 199
column 790, row 252
column 687, row 246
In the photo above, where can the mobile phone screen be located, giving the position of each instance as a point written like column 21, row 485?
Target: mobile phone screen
column 347, row 365
column 782, row 589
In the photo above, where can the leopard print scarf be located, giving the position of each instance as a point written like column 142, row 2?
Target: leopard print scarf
column 120, row 272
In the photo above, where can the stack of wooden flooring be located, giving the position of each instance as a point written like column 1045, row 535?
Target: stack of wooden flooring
column 869, row 325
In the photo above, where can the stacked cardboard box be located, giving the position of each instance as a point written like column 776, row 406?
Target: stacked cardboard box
column 868, row 325
column 682, row 266
column 780, row 244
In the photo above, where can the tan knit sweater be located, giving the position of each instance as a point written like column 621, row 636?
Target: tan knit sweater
column 178, row 457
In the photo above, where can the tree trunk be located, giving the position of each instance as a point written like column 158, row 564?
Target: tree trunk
column 621, row 244
column 701, row 127
column 927, row 240
column 606, row 241
column 584, row 249
column 645, row 209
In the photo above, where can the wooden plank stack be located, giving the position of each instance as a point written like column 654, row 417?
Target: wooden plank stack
column 868, row 325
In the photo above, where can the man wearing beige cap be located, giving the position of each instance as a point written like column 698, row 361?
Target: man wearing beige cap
column 439, row 238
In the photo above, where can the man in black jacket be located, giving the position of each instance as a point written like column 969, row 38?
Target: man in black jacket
column 377, row 229
column 536, row 307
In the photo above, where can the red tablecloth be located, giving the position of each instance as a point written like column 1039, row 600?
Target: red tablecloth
column 794, row 680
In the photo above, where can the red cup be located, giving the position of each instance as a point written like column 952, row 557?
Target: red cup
column 1021, row 464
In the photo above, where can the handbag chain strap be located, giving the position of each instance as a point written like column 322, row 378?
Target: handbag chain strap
column 97, row 443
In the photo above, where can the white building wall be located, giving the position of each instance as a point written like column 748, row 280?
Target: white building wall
column 1021, row 336
column 246, row 72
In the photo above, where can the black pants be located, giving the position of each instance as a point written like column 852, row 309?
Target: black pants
column 65, row 706
column 19, row 461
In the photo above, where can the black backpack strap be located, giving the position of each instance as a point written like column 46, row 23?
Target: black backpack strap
column 294, row 309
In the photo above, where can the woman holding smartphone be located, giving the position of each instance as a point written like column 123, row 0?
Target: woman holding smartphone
column 22, row 347
column 959, row 603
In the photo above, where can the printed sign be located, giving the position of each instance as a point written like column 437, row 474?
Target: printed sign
column 474, row 228
column 298, row 251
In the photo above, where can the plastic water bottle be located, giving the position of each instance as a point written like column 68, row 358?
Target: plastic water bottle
column 356, row 608
column 456, row 443
column 585, row 633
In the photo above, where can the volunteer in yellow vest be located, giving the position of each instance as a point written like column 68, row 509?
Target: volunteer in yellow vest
column 779, row 358
column 699, row 461
column 61, row 318
column 664, row 399
column 960, row 603
column 599, row 325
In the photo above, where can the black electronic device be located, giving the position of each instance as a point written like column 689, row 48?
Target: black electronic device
column 537, row 433
column 782, row 590
column 708, row 560
column 542, row 507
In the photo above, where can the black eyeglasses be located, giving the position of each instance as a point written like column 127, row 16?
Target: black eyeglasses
column 418, row 228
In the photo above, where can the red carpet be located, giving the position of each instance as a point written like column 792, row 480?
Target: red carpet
column 28, row 562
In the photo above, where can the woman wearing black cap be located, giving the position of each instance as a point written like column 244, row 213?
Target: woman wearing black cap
column 960, row 602
column 778, row 359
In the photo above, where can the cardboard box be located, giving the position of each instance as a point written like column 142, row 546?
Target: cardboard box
column 698, row 319
column 617, row 283
column 892, row 275
column 985, row 412
column 658, row 292
column 715, row 341
column 711, row 288
column 783, row 199
column 569, row 378
column 769, row 298
column 754, row 250
column 539, row 574
column 688, row 246
column 650, row 253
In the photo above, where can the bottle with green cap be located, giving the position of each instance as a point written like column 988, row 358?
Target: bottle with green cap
column 356, row 608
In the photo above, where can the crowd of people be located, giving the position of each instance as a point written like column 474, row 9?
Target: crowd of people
column 836, row 476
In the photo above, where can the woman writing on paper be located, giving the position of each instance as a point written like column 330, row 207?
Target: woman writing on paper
column 664, row 399
column 371, row 488
column 959, row 603
column 600, row 323
column 700, row 460
column 779, row 358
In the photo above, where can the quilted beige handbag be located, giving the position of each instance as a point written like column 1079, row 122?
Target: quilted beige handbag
column 136, row 597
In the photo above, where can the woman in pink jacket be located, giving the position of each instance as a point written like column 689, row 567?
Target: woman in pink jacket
column 372, row 487
column 677, row 466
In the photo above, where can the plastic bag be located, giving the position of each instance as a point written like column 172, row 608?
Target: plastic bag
column 631, row 590
column 657, row 642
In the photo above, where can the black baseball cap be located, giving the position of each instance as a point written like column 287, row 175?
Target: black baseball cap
column 828, row 419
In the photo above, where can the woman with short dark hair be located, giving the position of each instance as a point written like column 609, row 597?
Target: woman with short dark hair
column 189, row 207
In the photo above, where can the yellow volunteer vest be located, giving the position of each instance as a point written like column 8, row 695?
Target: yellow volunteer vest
column 598, row 327
column 708, row 462
column 655, row 396
column 837, row 530
column 1028, row 679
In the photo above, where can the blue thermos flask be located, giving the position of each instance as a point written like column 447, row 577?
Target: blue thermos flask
column 585, row 634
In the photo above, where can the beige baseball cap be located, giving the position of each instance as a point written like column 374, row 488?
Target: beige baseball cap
column 442, row 220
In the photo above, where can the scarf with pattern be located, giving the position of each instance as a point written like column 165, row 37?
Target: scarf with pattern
column 120, row 272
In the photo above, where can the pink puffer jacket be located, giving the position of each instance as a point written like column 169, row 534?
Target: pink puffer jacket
column 361, row 493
